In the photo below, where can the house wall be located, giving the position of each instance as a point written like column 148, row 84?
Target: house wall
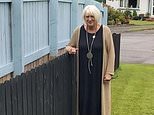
column 115, row 4
column 143, row 6
column 143, row 9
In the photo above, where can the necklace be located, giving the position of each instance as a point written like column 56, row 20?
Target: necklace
column 89, row 54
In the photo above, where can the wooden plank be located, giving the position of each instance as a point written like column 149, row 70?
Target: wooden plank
column 39, row 91
column 14, row 96
column 58, row 89
column 8, row 100
column 29, row 92
column 2, row 100
column 6, row 69
column 51, row 91
column 74, row 83
column 19, row 95
column 24, row 93
column 37, row 54
column 34, row 96
column 66, row 73
column 46, row 84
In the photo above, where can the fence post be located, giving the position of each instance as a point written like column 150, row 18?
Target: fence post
column 116, row 40
column 74, row 14
column 17, row 43
column 53, row 11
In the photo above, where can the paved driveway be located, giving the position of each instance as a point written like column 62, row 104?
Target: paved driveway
column 137, row 47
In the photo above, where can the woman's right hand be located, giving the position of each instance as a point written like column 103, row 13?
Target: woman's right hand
column 71, row 50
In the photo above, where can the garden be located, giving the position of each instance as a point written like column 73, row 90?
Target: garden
column 133, row 90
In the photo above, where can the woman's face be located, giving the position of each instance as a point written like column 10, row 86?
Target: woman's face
column 90, row 20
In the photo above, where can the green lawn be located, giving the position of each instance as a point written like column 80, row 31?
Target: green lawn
column 133, row 90
column 139, row 22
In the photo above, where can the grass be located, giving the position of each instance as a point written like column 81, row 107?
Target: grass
column 141, row 23
column 133, row 90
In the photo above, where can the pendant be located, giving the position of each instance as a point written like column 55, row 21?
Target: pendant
column 89, row 55
column 93, row 36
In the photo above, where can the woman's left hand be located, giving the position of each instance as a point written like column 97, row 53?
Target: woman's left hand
column 107, row 77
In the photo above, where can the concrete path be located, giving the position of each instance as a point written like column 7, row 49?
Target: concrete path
column 136, row 47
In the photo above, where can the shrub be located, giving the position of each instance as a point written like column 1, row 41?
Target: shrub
column 115, row 16
column 134, row 13
column 136, row 18
column 128, row 14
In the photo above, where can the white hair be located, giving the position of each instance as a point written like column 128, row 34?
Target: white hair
column 93, row 10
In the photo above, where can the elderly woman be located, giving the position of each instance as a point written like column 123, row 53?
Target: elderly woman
column 95, row 63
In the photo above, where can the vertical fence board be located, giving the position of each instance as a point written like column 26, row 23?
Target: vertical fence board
column 67, row 85
column 19, row 95
column 58, row 90
column 24, row 95
column 34, row 96
column 46, row 84
column 29, row 92
column 51, row 94
column 2, row 100
column 14, row 96
column 39, row 91
column 8, row 100
column 74, row 83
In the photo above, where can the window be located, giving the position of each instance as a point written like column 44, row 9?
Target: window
column 121, row 3
column 132, row 3
column 153, row 8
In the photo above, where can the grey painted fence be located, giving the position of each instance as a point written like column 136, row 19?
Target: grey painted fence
column 30, row 29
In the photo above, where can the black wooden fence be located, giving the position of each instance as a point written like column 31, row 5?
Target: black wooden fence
column 46, row 90
column 116, row 41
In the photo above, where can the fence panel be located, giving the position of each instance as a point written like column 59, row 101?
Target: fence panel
column 63, row 23
column 80, row 9
column 5, row 34
column 35, row 30
column 35, row 26
column 6, row 64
